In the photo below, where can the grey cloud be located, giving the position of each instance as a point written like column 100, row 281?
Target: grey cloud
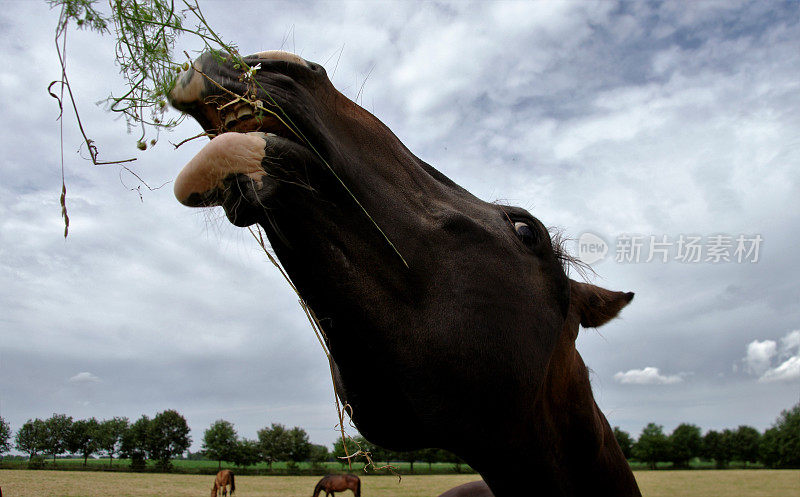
column 650, row 118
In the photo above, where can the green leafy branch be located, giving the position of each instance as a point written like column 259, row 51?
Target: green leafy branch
column 146, row 32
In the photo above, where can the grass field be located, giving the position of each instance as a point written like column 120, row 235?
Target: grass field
column 22, row 483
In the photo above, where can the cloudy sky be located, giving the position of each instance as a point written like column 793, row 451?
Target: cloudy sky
column 659, row 131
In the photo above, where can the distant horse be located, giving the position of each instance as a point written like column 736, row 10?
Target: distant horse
column 222, row 480
column 338, row 483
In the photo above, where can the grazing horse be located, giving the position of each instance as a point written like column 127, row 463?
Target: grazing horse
column 221, row 482
column 338, row 483
column 461, row 310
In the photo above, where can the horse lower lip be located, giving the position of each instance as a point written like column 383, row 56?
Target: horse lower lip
column 224, row 155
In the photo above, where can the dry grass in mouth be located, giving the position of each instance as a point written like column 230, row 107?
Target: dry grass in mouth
column 341, row 410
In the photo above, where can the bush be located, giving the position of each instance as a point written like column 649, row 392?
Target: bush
column 138, row 463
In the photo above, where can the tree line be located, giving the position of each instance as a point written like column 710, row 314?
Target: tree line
column 777, row 447
column 277, row 443
column 159, row 439
column 166, row 436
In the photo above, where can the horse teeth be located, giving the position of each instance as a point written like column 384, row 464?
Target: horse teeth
column 229, row 119
column 244, row 113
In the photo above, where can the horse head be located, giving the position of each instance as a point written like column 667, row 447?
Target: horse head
column 445, row 314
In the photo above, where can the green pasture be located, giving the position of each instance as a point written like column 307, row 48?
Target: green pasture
column 278, row 468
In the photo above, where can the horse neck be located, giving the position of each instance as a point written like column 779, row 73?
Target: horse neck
column 568, row 449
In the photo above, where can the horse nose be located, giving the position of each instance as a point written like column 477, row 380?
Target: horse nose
column 280, row 55
column 191, row 86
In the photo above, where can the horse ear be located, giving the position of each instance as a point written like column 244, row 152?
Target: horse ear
column 595, row 305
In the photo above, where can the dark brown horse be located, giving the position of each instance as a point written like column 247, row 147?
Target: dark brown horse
column 338, row 483
column 461, row 310
column 221, row 482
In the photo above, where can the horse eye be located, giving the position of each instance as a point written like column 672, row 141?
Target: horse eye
column 525, row 233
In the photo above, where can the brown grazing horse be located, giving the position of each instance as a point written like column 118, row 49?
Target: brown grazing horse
column 338, row 483
column 221, row 482
column 461, row 310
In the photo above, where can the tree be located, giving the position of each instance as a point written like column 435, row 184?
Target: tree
column 768, row 451
column 274, row 443
column 318, row 454
column 718, row 446
column 83, row 438
column 220, row 441
column 745, row 444
column 353, row 445
column 135, row 442
column 56, row 433
column 429, row 455
column 167, row 437
column 710, row 442
column 109, row 437
column 245, row 453
column 685, row 443
column 378, row 453
column 409, row 456
column 780, row 445
column 299, row 445
column 196, row 456
column 5, row 436
column 30, row 437
column 447, row 456
column 624, row 440
column 652, row 446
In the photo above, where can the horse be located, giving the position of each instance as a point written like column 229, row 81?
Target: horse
column 221, row 481
column 471, row 489
column 338, row 483
column 462, row 310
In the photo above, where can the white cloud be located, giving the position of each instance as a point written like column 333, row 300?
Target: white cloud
column 789, row 370
column 84, row 377
column 646, row 376
column 791, row 342
column 759, row 355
